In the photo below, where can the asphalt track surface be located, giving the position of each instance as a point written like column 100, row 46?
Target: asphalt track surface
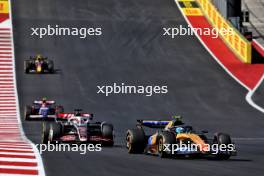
column 258, row 95
column 133, row 50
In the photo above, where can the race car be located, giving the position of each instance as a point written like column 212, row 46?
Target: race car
column 42, row 110
column 38, row 64
column 174, row 138
column 77, row 127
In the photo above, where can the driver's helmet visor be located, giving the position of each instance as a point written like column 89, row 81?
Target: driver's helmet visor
column 179, row 130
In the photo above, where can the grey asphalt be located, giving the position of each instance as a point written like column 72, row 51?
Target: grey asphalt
column 132, row 50
column 258, row 96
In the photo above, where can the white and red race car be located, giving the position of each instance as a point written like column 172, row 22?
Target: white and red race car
column 77, row 127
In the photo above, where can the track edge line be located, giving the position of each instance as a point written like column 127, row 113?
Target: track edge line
column 37, row 154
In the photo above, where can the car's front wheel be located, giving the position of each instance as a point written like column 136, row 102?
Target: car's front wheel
column 108, row 133
column 26, row 66
column 165, row 138
column 55, row 131
column 136, row 140
column 222, row 139
column 27, row 112
column 45, row 132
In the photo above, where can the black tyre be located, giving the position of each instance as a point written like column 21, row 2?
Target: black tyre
column 56, row 131
column 26, row 66
column 107, row 132
column 27, row 112
column 51, row 66
column 45, row 132
column 222, row 138
column 165, row 138
column 136, row 140
column 204, row 138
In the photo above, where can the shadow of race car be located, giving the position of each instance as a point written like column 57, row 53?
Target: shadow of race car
column 38, row 64
column 173, row 138
column 77, row 127
column 42, row 110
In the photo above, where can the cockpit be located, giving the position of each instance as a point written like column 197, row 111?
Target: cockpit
column 79, row 120
column 183, row 129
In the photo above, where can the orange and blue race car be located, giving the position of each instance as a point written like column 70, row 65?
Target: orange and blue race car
column 174, row 138
column 38, row 64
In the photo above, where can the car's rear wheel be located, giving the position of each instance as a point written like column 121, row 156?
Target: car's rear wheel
column 108, row 133
column 136, row 140
column 26, row 66
column 27, row 113
column 51, row 66
column 222, row 138
column 165, row 138
column 55, row 131
column 45, row 132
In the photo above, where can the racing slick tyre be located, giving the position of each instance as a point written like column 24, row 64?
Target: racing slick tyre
column 136, row 140
column 165, row 138
column 222, row 138
column 107, row 132
column 26, row 66
column 27, row 112
column 51, row 66
column 45, row 132
column 55, row 131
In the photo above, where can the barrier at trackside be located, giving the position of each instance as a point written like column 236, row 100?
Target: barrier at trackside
column 235, row 41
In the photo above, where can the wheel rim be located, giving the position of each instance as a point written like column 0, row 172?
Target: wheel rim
column 50, row 135
column 160, row 145
column 25, row 113
column 128, row 143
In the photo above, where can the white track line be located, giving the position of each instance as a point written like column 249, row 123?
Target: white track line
column 17, row 153
column 40, row 167
column 19, row 167
column 17, row 159
column 250, row 95
column 15, row 149
column 15, row 175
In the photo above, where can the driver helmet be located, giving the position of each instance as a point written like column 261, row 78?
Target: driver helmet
column 44, row 105
column 84, row 120
column 44, row 100
column 38, row 57
column 179, row 130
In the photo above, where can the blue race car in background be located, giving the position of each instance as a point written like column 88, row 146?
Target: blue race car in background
column 42, row 110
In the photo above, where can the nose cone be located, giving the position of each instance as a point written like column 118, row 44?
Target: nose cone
column 83, row 139
column 39, row 68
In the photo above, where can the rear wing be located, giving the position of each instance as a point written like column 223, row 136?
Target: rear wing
column 176, row 120
column 70, row 115
column 34, row 57
column 153, row 123
column 40, row 102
